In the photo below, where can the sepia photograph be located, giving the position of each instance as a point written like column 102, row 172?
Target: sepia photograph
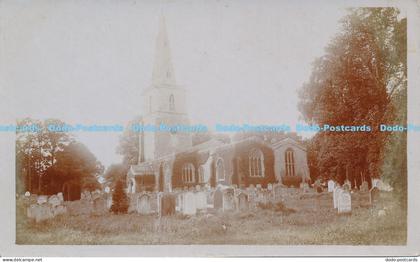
column 209, row 123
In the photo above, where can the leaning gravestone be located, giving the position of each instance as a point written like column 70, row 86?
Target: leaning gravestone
column 344, row 202
column 189, row 207
column 218, row 199
column 143, row 204
column 242, row 201
column 331, row 186
column 228, row 200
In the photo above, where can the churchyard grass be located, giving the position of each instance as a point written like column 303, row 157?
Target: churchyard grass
column 304, row 225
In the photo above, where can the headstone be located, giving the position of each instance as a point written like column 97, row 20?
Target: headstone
column 168, row 204
column 179, row 202
column 109, row 202
column 197, row 187
column 59, row 210
column 201, row 200
column 189, row 207
column 270, row 187
column 27, row 194
column 374, row 195
column 305, row 187
column 60, row 197
column 337, row 191
column 218, row 199
column 42, row 199
column 331, row 186
column 344, row 202
column 279, row 191
column 107, row 190
column 228, row 200
column 143, row 204
column 364, row 187
column 242, row 201
column 347, row 183
column 258, row 186
column 54, row 201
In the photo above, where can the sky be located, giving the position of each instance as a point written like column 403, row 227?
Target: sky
column 88, row 61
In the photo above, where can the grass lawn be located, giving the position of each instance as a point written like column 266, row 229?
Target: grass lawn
column 315, row 222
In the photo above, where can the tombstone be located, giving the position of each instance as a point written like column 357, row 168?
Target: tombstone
column 42, row 199
column 60, row 197
column 331, row 186
column 218, row 199
column 364, row 187
column 59, row 210
column 168, row 203
column 344, row 202
column 40, row 212
column 228, row 200
column 107, row 190
column 243, row 201
column 201, row 200
column 347, row 183
column 374, row 195
column 100, row 205
column 179, row 202
column 109, row 202
column 258, row 186
column 27, row 194
column 270, row 187
column 143, row 204
column 279, row 191
column 197, row 187
column 189, row 207
column 337, row 191
column 54, row 201
column 305, row 187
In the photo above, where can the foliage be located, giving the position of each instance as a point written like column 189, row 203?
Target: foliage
column 119, row 199
column 114, row 173
column 353, row 84
column 129, row 142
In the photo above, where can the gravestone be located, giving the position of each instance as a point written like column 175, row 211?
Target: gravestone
column 60, row 197
column 218, row 199
column 201, row 200
column 305, row 187
column 59, row 210
column 374, row 195
column 347, row 184
column 279, row 191
column 270, row 187
column 228, row 200
column 42, row 199
column 243, row 201
column 143, row 204
column 168, row 204
column 27, row 194
column 107, row 190
column 259, row 187
column 344, row 202
column 189, row 207
column 337, row 191
column 109, row 202
column 331, row 186
column 364, row 187
column 179, row 202
column 100, row 206
column 54, row 201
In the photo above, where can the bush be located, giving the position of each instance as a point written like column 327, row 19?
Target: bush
column 119, row 199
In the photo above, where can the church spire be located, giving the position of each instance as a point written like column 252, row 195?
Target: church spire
column 163, row 71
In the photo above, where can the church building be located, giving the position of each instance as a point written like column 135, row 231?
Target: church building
column 169, row 160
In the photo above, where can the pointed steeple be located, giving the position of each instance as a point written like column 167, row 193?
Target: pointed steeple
column 163, row 71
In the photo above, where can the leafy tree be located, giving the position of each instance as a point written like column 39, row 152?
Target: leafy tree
column 354, row 83
column 119, row 199
column 114, row 173
column 129, row 143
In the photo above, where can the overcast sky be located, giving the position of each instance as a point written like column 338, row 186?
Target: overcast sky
column 88, row 61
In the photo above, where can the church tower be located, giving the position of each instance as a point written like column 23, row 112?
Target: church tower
column 163, row 103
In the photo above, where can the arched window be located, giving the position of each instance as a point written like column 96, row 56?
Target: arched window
column 171, row 102
column 256, row 163
column 220, row 170
column 201, row 174
column 188, row 173
column 289, row 160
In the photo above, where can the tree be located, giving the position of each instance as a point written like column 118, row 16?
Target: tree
column 354, row 83
column 129, row 143
column 114, row 173
column 36, row 152
column 119, row 199
column 75, row 165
